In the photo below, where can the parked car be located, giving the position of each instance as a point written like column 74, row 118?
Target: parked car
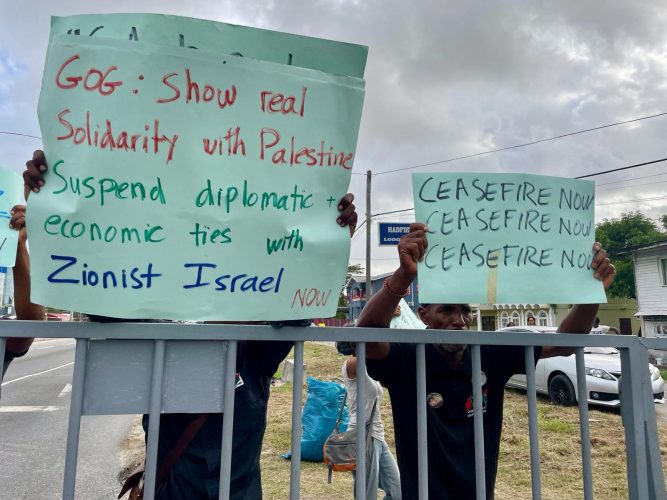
column 557, row 376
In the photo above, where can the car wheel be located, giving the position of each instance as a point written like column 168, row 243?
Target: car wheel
column 561, row 391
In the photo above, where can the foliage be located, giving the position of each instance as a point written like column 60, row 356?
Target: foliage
column 629, row 230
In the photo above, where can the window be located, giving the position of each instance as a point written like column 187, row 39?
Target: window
column 504, row 319
column 663, row 271
column 542, row 318
column 516, row 318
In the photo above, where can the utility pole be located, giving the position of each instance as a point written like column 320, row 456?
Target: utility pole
column 369, row 285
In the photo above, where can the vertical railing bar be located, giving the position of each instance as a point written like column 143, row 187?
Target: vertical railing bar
column 633, row 421
column 154, row 410
column 652, row 440
column 422, row 442
column 229, row 394
column 360, row 477
column 297, row 400
column 584, row 429
column 536, row 480
column 74, row 424
column 480, row 479
column 3, row 343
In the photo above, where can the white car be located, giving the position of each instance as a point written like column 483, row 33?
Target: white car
column 557, row 376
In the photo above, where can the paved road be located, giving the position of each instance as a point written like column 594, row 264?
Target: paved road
column 34, row 410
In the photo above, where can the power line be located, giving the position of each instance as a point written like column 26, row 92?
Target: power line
column 632, row 186
column 631, row 201
column 631, row 179
column 621, row 168
column 20, row 135
column 515, row 146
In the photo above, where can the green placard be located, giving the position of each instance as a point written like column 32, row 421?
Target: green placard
column 221, row 38
column 185, row 184
column 506, row 238
column 11, row 186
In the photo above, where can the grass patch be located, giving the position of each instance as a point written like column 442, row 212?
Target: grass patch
column 663, row 372
column 560, row 450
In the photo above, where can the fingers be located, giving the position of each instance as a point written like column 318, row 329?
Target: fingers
column 33, row 176
column 17, row 220
column 414, row 244
column 348, row 214
column 603, row 269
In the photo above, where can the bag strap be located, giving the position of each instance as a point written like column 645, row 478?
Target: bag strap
column 340, row 413
column 183, row 442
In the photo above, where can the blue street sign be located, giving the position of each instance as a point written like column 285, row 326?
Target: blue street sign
column 391, row 232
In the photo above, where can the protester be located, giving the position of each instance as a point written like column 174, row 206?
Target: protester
column 196, row 472
column 450, row 434
column 531, row 320
column 381, row 468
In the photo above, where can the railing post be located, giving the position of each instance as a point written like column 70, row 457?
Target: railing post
column 633, row 421
column 229, row 395
column 360, row 476
column 656, row 478
column 74, row 424
column 531, row 391
column 584, row 429
column 478, row 422
column 422, row 441
column 297, row 398
column 154, row 412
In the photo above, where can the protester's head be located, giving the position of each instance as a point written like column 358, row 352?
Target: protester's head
column 346, row 348
column 597, row 322
column 511, row 323
column 531, row 320
column 446, row 317
column 397, row 311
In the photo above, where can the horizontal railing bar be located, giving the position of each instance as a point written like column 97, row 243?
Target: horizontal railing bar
column 175, row 331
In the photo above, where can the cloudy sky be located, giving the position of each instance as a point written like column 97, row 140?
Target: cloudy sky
column 445, row 79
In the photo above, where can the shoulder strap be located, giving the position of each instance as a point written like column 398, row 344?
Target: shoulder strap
column 183, row 442
column 340, row 413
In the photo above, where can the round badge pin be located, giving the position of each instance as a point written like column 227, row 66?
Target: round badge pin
column 434, row 400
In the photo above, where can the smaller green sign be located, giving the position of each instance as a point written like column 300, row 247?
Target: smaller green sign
column 506, row 238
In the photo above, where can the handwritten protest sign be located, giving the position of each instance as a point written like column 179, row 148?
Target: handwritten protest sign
column 11, row 186
column 506, row 238
column 186, row 184
column 175, row 31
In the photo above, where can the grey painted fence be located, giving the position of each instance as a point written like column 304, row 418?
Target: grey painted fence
column 169, row 368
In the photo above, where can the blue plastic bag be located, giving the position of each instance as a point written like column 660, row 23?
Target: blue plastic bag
column 323, row 402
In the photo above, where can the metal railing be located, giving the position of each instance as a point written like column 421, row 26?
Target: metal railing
column 153, row 368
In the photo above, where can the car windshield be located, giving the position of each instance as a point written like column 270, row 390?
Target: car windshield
column 601, row 350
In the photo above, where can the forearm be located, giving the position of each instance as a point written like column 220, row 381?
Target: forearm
column 379, row 311
column 25, row 310
column 579, row 319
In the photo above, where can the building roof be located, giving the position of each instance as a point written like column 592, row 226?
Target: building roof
column 637, row 248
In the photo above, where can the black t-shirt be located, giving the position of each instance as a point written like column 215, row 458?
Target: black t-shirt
column 449, row 415
column 196, row 474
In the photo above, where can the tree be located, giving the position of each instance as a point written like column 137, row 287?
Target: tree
column 629, row 230
column 342, row 298
column 663, row 219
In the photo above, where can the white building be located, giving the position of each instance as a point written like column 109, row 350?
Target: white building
column 6, row 291
column 650, row 264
